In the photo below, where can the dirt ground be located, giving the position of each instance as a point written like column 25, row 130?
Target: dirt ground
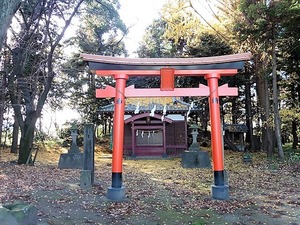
column 158, row 191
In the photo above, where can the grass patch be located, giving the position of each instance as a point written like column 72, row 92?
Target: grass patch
column 291, row 155
column 198, row 217
column 174, row 217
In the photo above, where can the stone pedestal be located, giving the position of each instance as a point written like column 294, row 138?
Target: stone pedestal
column 195, row 159
column 85, row 179
column 18, row 214
column 220, row 192
column 116, row 194
column 71, row 161
column 203, row 159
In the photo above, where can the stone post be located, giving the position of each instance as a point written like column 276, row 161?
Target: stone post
column 87, row 175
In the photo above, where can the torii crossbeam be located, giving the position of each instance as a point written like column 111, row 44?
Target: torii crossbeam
column 212, row 68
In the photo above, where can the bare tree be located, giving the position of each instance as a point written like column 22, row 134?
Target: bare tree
column 43, row 25
column 8, row 9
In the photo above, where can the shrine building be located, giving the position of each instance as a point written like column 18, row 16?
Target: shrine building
column 163, row 133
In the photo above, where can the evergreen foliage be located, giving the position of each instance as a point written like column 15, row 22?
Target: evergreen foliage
column 36, row 71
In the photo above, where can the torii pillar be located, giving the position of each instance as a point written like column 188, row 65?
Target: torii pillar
column 117, row 191
column 212, row 68
column 220, row 189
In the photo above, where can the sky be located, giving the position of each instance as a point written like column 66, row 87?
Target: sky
column 138, row 14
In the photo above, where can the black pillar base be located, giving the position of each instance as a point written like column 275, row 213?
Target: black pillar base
column 220, row 192
column 116, row 194
column 116, row 179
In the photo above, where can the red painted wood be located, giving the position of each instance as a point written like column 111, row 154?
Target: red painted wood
column 224, row 72
column 212, row 77
column 107, row 92
column 214, row 108
column 118, row 132
column 167, row 79
column 131, row 91
column 144, row 115
column 149, row 151
column 224, row 90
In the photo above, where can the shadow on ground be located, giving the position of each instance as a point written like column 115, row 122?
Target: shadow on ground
column 157, row 192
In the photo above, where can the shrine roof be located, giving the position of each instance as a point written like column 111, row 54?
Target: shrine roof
column 99, row 62
column 173, row 105
column 235, row 128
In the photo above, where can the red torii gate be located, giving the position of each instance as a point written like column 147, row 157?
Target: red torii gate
column 212, row 68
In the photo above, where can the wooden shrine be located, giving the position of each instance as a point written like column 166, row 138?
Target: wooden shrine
column 146, row 135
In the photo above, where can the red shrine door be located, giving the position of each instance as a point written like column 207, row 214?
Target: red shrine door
column 147, row 137
column 149, row 142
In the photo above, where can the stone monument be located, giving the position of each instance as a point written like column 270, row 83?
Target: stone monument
column 87, row 174
column 194, row 157
column 74, row 158
column 18, row 214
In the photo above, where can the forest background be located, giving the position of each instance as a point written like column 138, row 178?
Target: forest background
column 36, row 72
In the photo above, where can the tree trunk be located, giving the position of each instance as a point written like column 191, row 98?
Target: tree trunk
column 15, row 137
column 269, row 144
column 249, row 121
column 8, row 9
column 275, row 102
column 4, row 144
column 27, row 126
column 26, row 141
column 264, row 100
column 105, row 126
column 234, row 110
column 2, row 101
column 14, row 94
column 294, row 134
column 33, row 101
column 3, row 89
column 16, row 127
